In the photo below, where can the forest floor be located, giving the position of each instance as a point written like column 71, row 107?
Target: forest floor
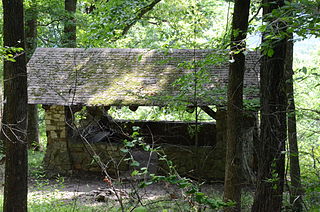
column 88, row 192
column 91, row 193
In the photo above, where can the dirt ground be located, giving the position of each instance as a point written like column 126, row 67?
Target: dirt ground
column 91, row 190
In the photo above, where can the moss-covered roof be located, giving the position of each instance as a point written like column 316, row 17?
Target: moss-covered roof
column 71, row 76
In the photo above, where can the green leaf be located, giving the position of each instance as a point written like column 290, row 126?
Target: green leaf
column 135, row 173
column 135, row 163
column 135, row 128
column 146, row 148
column 129, row 144
column 145, row 184
column 263, row 28
column 270, row 52
column 135, row 134
column 140, row 209
column 140, row 57
column 304, row 70
column 124, row 150
column 184, row 184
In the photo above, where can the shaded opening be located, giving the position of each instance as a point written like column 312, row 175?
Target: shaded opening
column 97, row 125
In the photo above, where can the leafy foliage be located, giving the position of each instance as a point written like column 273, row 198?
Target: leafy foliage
column 10, row 53
column 158, row 28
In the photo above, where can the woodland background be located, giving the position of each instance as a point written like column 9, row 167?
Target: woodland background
column 193, row 24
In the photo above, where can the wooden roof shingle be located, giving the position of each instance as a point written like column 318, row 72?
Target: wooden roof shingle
column 71, row 76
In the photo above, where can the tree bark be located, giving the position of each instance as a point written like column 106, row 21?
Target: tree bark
column 15, row 122
column 296, row 187
column 31, row 28
column 70, row 41
column 33, row 127
column 271, row 159
column 31, row 45
column 232, row 183
column 69, row 37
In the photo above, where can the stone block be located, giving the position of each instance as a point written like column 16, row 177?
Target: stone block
column 56, row 121
column 48, row 116
column 62, row 118
column 53, row 135
column 50, row 127
column 61, row 123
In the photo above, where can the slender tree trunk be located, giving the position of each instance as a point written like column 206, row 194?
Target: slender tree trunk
column 70, row 41
column 233, row 176
column 296, row 187
column 15, row 122
column 271, row 159
column 31, row 28
column 33, row 127
column 69, row 37
column 31, row 45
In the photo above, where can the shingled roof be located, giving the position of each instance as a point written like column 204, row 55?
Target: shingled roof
column 72, row 76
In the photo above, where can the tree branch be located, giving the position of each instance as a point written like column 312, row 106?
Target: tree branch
column 139, row 15
column 255, row 15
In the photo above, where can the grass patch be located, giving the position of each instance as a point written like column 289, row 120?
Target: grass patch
column 43, row 204
column 35, row 164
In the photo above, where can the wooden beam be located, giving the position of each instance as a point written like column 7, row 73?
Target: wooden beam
column 209, row 111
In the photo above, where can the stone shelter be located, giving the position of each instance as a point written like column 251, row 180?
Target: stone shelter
column 68, row 80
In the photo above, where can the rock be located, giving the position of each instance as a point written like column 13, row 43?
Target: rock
column 102, row 197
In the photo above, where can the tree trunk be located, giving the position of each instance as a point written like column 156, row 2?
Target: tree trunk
column 69, row 36
column 271, row 158
column 296, row 188
column 31, row 28
column 15, row 122
column 33, row 127
column 70, row 41
column 31, row 45
column 233, row 176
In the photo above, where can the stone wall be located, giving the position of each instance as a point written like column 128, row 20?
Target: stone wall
column 172, row 132
column 204, row 161
column 190, row 161
column 174, row 139
column 109, row 154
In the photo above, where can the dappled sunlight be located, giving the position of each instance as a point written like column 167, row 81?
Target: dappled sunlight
column 128, row 76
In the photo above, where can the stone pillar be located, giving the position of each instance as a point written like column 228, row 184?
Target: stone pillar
column 57, row 158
